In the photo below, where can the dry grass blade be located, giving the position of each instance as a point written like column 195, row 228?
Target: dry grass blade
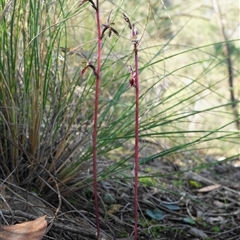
column 6, row 9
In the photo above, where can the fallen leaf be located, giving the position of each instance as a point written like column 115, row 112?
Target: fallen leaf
column 209, row 188
column 155, row 214
column 172, row 207
column 188, row 220
column 216, row 220
column 31, row 230
column 114, row 208
column 198, row 233
column 194, row 184
column 108, row 198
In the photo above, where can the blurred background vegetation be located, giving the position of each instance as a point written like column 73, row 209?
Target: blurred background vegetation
column 46, row 105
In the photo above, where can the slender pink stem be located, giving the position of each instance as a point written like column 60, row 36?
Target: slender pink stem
column 136, row 144
column 96, row 120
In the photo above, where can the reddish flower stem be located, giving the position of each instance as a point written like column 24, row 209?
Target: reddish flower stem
column 136, row 139
column 96, row 120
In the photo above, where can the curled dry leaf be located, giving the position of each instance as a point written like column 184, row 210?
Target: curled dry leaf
column 32, row 230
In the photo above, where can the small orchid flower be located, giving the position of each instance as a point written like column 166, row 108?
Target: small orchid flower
column 89, row 65
column 83, row 1
column 132, row 80
column 109, row 27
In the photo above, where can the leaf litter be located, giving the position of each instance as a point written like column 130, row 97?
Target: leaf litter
column 171, row 209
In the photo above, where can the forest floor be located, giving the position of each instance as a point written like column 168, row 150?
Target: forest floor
column 173, row 204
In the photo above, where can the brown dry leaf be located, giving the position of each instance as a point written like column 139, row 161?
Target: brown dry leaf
column 114, row 208
column 209, row 188
column 32, row 230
